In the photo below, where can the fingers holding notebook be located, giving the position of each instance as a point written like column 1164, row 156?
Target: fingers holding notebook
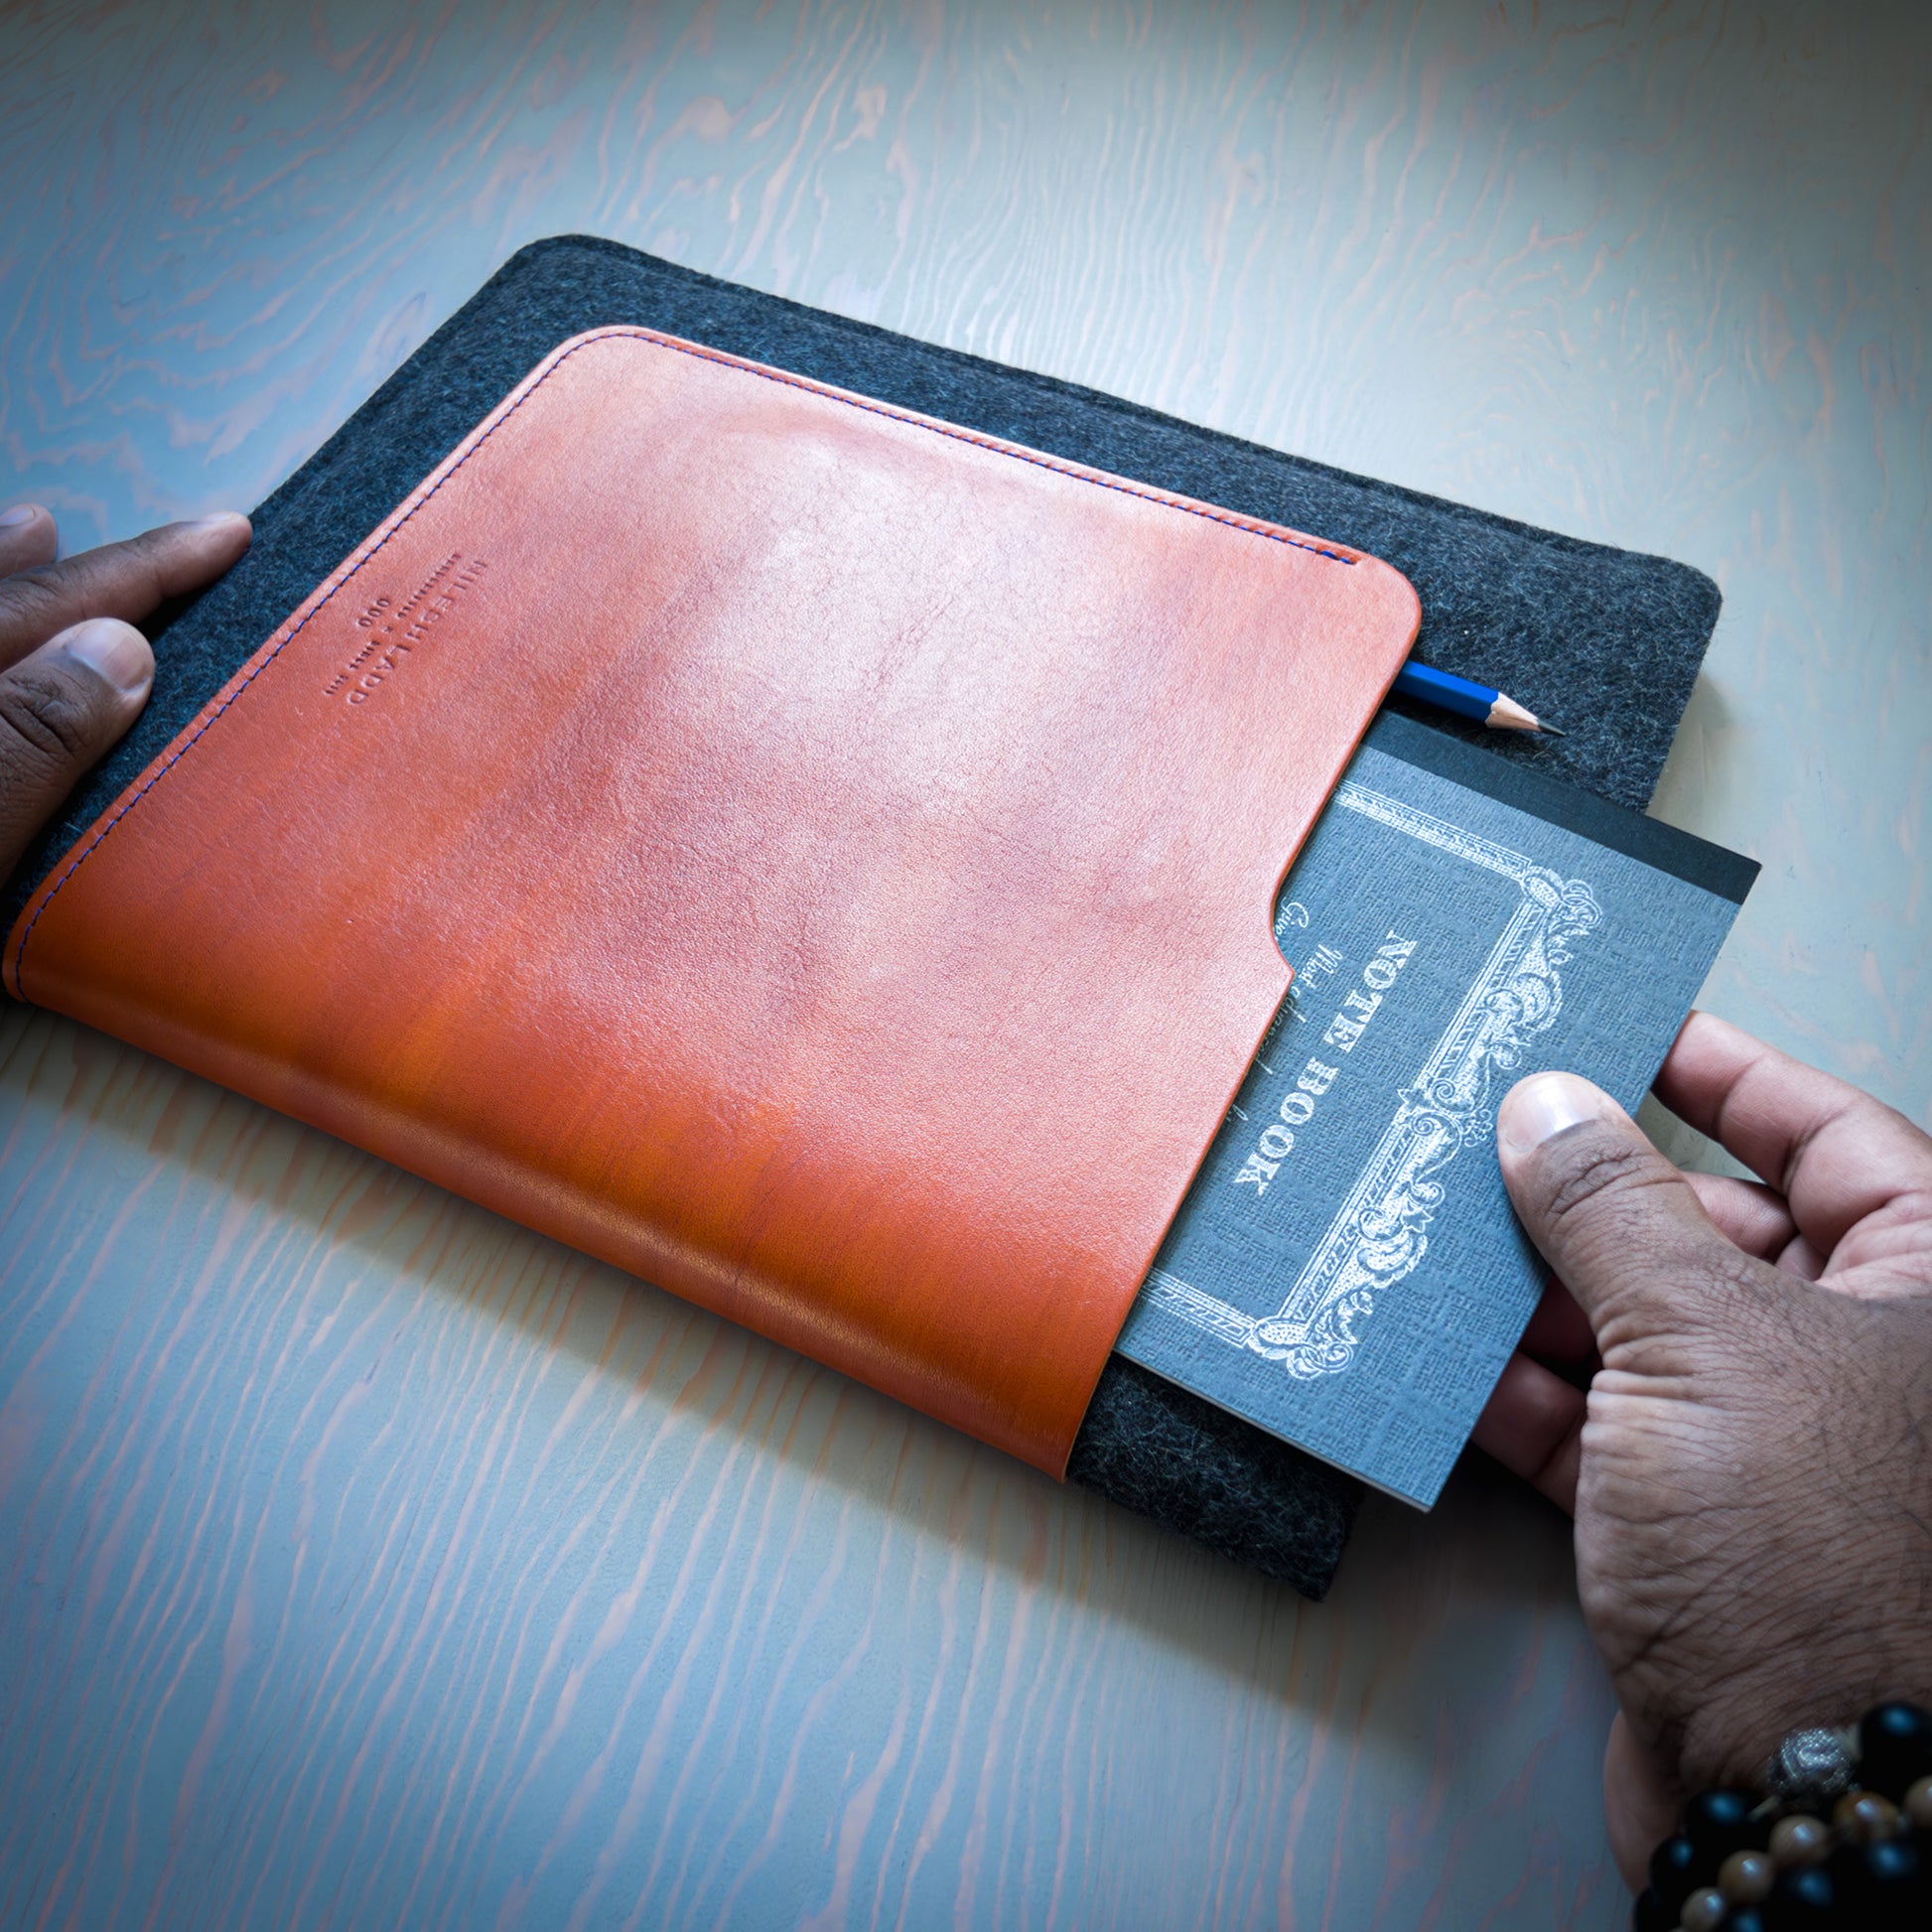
column 1840, row 1157
column 129, row 580
column 27, row 538
column 1750, row 1510
column 74, row 672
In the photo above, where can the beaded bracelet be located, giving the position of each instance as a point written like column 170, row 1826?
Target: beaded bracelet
column 1775, row 1863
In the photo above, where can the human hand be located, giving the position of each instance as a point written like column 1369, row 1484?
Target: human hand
column 73, row 670
column 1751, row 1469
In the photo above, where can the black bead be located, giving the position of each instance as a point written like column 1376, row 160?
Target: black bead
column 1719, row 1823
column 1745, row 1919
column 1903, row 1882
column 1881, row 1886
column 1895, row 1747
column 1801, row 1899
column 1651, row 1914
column 1677, row 1870
column 1896, row 1868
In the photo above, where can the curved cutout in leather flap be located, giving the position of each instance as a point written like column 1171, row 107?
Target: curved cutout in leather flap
column 815, row 857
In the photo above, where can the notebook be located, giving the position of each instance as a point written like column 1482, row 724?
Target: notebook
column 1346, row 1272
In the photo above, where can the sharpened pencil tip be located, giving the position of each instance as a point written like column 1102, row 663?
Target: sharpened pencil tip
column 1549, row 731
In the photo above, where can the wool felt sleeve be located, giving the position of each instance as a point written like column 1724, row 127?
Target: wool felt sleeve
column 1606, row 641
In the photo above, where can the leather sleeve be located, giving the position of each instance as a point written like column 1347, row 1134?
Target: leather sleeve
column 815, row 857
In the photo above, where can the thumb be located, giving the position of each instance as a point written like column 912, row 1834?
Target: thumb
column 1615, row 1221
column 61, row 708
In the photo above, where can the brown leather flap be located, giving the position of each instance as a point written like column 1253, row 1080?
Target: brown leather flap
column 811, row 856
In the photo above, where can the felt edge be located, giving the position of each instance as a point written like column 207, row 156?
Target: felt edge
column 1171, row 1457
column 1078, row 392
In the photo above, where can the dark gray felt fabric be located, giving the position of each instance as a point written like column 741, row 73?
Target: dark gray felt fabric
column 1606, row 642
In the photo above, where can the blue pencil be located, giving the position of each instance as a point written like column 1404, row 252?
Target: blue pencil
column 1468, row 699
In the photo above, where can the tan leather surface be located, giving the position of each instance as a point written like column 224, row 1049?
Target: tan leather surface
column 816, row 859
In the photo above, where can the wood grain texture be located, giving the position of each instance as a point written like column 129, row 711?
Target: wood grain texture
column 367, row 1561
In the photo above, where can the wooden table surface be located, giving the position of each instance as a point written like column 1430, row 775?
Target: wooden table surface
column 365, row 1562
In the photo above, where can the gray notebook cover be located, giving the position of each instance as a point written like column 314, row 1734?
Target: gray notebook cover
column 1346, row 1271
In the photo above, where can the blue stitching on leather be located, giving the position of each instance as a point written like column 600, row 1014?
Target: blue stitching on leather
column 997, row 449
column 703, row 355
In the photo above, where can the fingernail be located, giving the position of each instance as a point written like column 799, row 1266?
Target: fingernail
column 20, row 513
column 221, row 520
column 1538, row 1108
column 115, row 652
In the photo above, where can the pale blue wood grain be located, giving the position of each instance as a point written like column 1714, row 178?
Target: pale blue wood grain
column 367, row 1561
